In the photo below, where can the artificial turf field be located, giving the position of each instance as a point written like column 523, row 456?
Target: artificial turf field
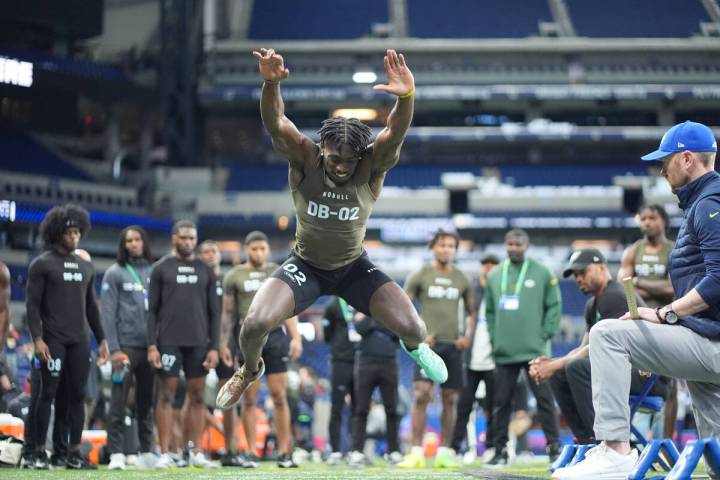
column 309, row 471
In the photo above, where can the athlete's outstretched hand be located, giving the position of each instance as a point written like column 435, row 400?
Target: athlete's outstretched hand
column 103, row 354
column 42, row 351
column 271, row 65
column 211, row 359
column 400, row 79
column 153, row 356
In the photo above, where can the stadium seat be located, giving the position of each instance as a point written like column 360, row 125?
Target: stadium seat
column 645, row 403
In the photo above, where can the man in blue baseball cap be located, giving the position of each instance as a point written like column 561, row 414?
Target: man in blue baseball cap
column 681, row 339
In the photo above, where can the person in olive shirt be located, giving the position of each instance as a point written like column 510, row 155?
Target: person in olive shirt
column 339, row 330
column 522, row 308
column 646, row 261
column 61, row 304
column 438, row 288
column 569, row 376
column 183, row 332
column 334, row 186
column 241, row 284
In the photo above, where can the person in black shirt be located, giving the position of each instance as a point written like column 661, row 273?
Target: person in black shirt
column 339, row 331
column 61, row 305
column 183, row 330
column 569, row 376
column 375, row 366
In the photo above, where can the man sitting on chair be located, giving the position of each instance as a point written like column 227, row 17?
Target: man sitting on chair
column 569, row 376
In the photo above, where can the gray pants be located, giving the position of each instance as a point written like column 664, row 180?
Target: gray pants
column 618, row 346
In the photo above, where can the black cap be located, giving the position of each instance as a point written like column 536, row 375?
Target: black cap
column 490, row 258
column 580, row 259
column 255, row 235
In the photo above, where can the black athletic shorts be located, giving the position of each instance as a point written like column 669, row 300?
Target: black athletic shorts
column 453, row 359
column 355, row 282
column 223, row 371
column 190, row 359
column 275, row 352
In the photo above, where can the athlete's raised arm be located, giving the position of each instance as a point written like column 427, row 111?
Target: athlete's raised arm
column 386, row 149
column 286, row 138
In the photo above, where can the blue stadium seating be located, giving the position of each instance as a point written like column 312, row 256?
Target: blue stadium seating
column 319, row 19
column 636, row 18
column 257, row 177
column 20, row 153
column 476, row 19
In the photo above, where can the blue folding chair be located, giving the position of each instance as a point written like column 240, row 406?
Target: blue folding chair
column 642, row 401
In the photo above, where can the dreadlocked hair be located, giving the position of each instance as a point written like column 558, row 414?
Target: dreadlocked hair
column 349, row 131
column 60, row 218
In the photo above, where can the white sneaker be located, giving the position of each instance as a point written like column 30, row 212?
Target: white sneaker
column 356, row 459
column 488, row 455
column 335, row 458
column 165, row 461
column 117, row 461
column 601, row 463
column 470, row 457
column 198, row 459
column 146, row 460
column 393, row 458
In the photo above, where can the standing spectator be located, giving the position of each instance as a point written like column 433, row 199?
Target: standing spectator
column 480, row 368
column 60, row 306
column 283, row 343
column 124, row 302
column 376, row 366
column 209, row 252
column 183, row 332
column 646, row 261
column 570, row 376
column 339, row 330
column 439, row 287
column 681, row 339
column 523, row 307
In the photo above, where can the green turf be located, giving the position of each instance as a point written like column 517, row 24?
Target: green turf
column 268, row 471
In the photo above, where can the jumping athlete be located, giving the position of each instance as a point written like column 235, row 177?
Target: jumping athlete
column 334, row 186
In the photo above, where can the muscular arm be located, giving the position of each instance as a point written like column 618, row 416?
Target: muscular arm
column 292, row 327
column 471, row 310
column 4, row 305
column 212, row 311
column 386, row 149
column 35, row 293
column 286, row 138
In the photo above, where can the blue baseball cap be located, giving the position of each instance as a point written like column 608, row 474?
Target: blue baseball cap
column 688, row 135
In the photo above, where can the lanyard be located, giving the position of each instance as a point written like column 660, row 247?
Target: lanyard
column 135, row 276
column 520, row 279
column 345, row 311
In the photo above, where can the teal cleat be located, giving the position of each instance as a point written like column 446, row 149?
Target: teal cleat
column 429, row 361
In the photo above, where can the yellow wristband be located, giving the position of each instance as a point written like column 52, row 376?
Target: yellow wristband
column 408, row 94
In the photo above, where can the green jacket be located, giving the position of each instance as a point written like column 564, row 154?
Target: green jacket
column 524, row 333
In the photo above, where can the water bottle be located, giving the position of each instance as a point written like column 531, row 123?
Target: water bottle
column 119, row 374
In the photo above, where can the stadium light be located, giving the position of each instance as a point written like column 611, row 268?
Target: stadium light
column 364, row 76
column 364, row 114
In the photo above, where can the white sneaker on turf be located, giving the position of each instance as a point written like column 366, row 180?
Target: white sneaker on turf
column 356, row 459
column 335, row 458
column 146, row 460
column 117, row 462
column 198, row 459
column 393, row 458
column 469, row 457
column 488, row 455
column 165, row 461
column 601, row 463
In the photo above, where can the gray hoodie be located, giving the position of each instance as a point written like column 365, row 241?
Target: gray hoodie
column 122, row 305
